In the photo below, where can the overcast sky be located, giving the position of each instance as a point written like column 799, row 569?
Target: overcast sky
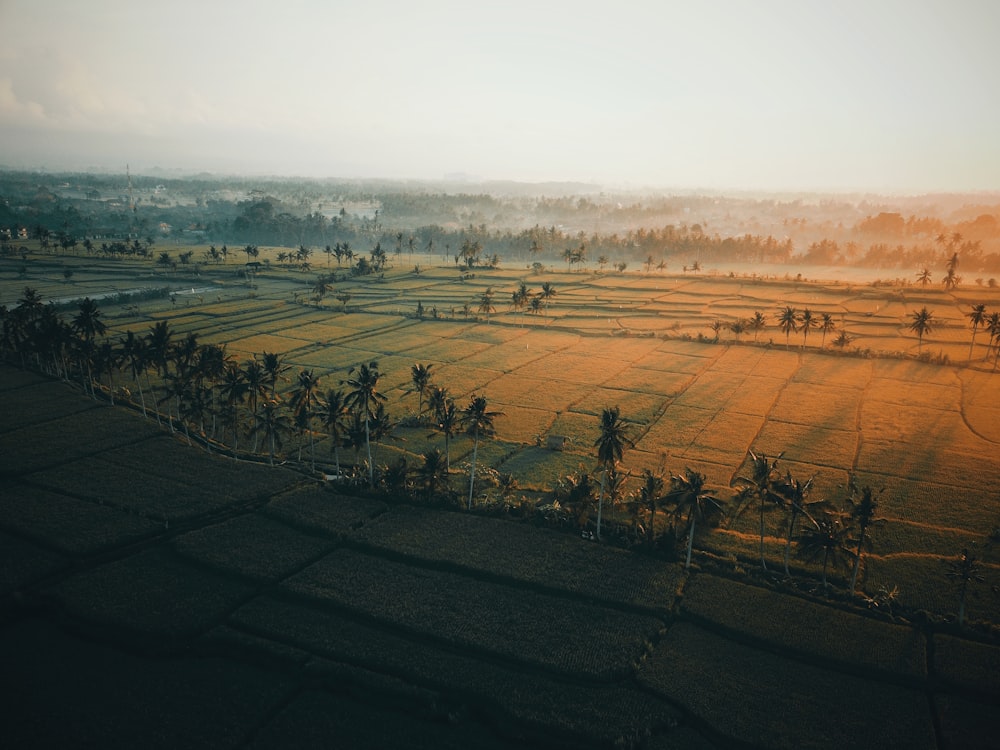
column 894, row 95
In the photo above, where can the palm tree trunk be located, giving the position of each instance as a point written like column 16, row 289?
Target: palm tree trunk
column 857, row 562
column 788, row 542
column 472, row 473
column 368, row 448
column 691, row 522
column 600, row 501
column 762, row 563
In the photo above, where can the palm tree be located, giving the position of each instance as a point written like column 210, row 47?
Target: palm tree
column 364, row 399
column 921, row 325
column 924, row 277
column 788, row 321
column 688, row 491
column 962, row 572
column 272, row 422
column 863, row 513
column 651, row 496
column 446, row 420
column 477, row 421
column 87, row 325
column 133, row 351
column 760, row 486
column 826, row 325
column 256, row 389
column 826, row 536
column 421, row 378
column 993, row 327
column 274, row 370
column 548, row 293
column 794, row 494
column 303, row 404
column 333, row 413
column 234, row 390
column 433, row 473
column 486, row 303
column 611, row 442
column 757, row 323
column 977, row 317
column 158, row 347
column 807, row 321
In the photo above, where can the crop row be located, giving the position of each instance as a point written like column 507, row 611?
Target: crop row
column 559, row 634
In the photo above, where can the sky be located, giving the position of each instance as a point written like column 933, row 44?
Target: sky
column 877, row 95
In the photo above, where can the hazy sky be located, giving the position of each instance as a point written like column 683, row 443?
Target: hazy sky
column 774, row 94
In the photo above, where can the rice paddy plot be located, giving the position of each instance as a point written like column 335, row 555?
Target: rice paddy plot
column 819, row 406
column 910, row 394
column 711, row 391
column 257, row 344
column 738, row 690
column 541, row 469
column 549, row 394
column 756, row 396
column 677, row 428
column 803, row 442
column 334, row 359
column 574, row 367
column 834, row 371
column 925, row 426
column 636, row 407
column 672, row 358
column 462, row 380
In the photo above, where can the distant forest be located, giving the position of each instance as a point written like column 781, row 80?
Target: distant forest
column 512, row 223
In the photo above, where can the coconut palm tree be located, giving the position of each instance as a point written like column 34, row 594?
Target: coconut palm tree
column 788, row 322
column 548, row 293
column 274, row 370
column 760, row 486
column 651, row 497
column 446, row 420
column 924, row 277
column 757, row 323
column 433, row 473
column 612, row 439
column 486, row 303
column 364, row 399
column 158, row 348
column 977, row 317
column 420, row 375
column 962, row 572
column 864, row 510
column 333, row 414
column 234, row 389
column 807, row 321
column 688, row 491
column 87, row 325
column 133, row 351
column 826, row 325
column 826, row 536
column 478, row 422
column 921, row 325
column 794, row 495
column 273, row 424
column 993, row 327
column 256, row 390
column 303, row 403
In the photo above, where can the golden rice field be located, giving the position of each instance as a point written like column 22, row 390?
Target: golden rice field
column 928, row 432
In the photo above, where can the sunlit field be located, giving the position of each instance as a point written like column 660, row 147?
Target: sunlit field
column 917, row 419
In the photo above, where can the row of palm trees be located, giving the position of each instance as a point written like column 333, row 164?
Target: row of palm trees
column 199, row 387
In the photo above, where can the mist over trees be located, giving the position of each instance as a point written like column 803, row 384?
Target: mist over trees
column 514, row 223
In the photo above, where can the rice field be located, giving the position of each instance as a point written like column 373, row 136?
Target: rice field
column 928, row 433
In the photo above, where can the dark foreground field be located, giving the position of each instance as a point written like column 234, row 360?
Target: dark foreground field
column 152, row 595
